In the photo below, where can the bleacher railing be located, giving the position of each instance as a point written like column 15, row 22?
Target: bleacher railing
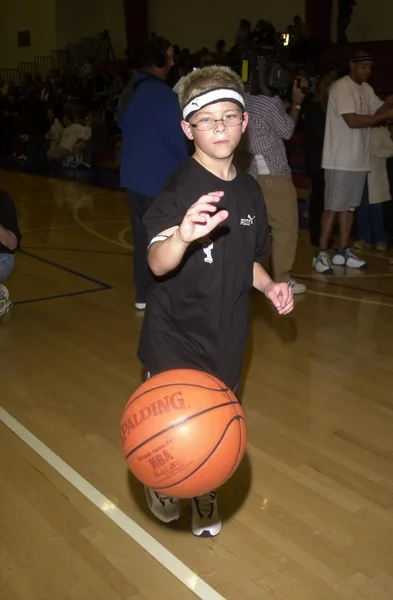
column 45, row 64
column 11, row 76
column 61, row 59
column 27, row 68
column 67, row 60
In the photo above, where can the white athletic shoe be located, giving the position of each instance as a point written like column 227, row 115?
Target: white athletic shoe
column 166, row 509
column 322, row 263
column 297, row 288
column 205, row 521
column 140, row 305
column 4, row 293
column 348, row 259
column 5, row 302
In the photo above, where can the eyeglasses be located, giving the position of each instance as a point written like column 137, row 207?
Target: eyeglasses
column 231, row 120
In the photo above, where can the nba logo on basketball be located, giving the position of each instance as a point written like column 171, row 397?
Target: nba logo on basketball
column 191, row 446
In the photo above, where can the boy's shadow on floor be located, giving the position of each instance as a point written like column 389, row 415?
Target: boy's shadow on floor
column 231, row 496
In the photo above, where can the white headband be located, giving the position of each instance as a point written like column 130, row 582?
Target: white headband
column 210, row 97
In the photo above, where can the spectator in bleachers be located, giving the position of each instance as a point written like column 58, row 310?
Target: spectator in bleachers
column 97, row 140
column 9, row 241
column 56, row 128
column 35, row 127
column 75, row 130
column 221, row 55
column 243, row 34
column 47, row 91
column 264, row 34
column 3, row 87
column 9, row 111
column 153, row 145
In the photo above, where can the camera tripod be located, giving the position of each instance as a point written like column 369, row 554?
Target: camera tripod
column 105, row 47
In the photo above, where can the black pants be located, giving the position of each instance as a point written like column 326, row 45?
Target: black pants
column 234, row 389
column 138, row 204
column 316, row 208
column 36, row 150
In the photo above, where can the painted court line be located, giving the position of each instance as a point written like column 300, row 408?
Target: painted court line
column 74, row 225
column 185, row 575
column 101, row 284
column 58, row 296
column 78, row 220
column 350, row 298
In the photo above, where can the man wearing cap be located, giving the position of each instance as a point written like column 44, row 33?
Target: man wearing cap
column 353, row 109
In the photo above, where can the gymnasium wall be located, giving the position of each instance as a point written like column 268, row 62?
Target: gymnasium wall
column 372, row 20
column 197, row 23
column 38, row 16
column 76, row 19
column 55, row 23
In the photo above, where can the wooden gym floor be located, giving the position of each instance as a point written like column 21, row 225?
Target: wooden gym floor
column 308, row 515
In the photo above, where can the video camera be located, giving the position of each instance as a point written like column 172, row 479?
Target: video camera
column 266, row 73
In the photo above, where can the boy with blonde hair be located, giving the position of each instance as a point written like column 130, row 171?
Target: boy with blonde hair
column 208, row 235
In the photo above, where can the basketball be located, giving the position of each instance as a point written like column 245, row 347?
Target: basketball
column 183, row 433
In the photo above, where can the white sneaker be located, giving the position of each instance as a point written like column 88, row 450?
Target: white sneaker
column 297, row 288
column 322, row 263
column 166, row 509
column 5, row 302
column 205, row 520
column 348, row 259
column 140, row 305
column 5, row 307
column 4, row 293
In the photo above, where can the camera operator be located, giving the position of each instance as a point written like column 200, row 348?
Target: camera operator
column 269, row 125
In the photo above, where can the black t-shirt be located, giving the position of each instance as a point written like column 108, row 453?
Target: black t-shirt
column 197, row 316
column 8, row 219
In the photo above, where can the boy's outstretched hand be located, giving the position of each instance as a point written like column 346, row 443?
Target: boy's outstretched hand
column 281, row 296
column 201, row 218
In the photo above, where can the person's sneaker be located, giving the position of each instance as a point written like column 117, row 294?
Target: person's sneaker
column 166, row 509
column 348, row 259
column 140, row 305
column 322, row 263
column 4, row 293
column 5, row 302
column 5, row 307
column 381, row 247
column 205, row 521
column 297, row 288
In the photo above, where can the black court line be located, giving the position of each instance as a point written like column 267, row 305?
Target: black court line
column 67, row 270
column 101, row 286
column 82, row 250
column 55, row 297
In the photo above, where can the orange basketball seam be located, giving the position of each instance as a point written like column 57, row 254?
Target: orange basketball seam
column 164, row 385
column 236, row 418
column 185, row 420
column 235, row 464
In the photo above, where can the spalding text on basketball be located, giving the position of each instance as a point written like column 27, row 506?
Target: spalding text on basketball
column 158, row 407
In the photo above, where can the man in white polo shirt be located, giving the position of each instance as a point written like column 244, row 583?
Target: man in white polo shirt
column 353, row 109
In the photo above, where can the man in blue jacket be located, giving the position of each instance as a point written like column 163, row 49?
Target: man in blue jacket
column 153, row 145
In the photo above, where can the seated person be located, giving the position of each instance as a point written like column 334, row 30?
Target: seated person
column 97, row 140
column 9, row 241
column 74, row 131
column 56, row 128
